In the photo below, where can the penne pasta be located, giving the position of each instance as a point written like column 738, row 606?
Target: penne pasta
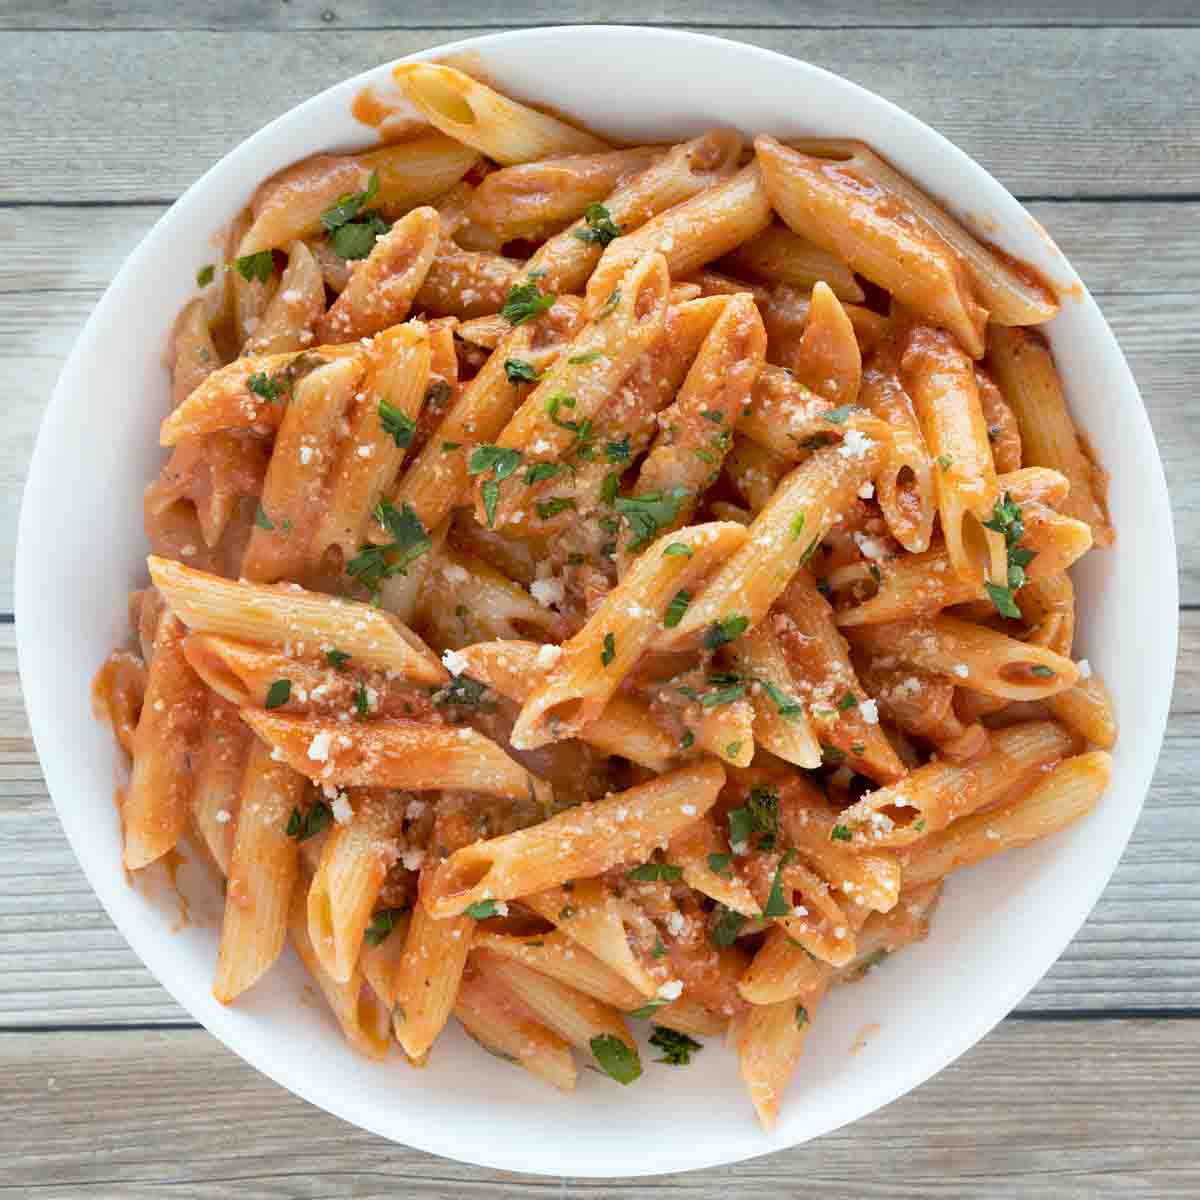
column 429, row 979
column 216, row 789
column 778, row 255
column 580, row 842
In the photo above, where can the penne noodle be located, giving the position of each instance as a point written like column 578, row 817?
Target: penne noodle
column 625, row 726
column 693, row 848
column 496, row 1022
column 428, row 979
column 1060, row 798
column 290, row 319
column 781, row 970
column 193, row 353
column 466, row 283
column 876, row 235
column 364, row 1019
column 940, row 378
column 577, row 843
column 1002, row 429
column 1023, row 367
column 1012, row 296
column 157, row 804
column 597, row 659
column 885, row 933
column 974, row 656
column 689, row 235
column 576, row 1017
column 118, row 692
column 291, row 503
column 783, row 536
column 394, row 753
column 727, row 731
column 262, row 874
column 1087, row 708
column 827, row 359
column 382, row 287
column 754, row 471
column 535, row 199
column 379, row 960
column 283, row 614
column 475, row 114
column 354, row 860
column 684, row 171
column 290, row 205
column 777, row 255
column 216, row 789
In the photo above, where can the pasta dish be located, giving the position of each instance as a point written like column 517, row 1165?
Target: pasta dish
column 596, row 585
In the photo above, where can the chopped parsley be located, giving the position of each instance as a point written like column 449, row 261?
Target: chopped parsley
column 837, row 416
column 616, row 1058
column 777, row 905
column 261, row 519
column 797, row 526
column 801, row 1016
column 648, row 1009
column 448, row 447
column 660, row 950
column 526, row 301
column 463, row 691
column 552, row 507
column 610, row 649
column 349, row 206
column 649, row 513
column 847, row 702
column 945, row 461
column 839, row 833
column 653, row 872
column 614, row 298
column 382, row 923
column 255, row 266
column 303, row 826
column 337, row 659
column 373, row 564
column 581, row 360
column 618, row 452
column 760, row 814
column 540, row 471
column 724, row 932
column 719, row 864
column 502, row 462
column 204, row 276
column 810, row 549
column 352, row 227
column 688, row 740
column 600, row 227
column 397, row 424
column 279, row 693
column 482, row 909
column 362, row 702
column 1006, row 519
column 726, row 630
column 677, row 1047
column 874, row 959
column 733, row 750
column 271, row 388
column 520, row 371
column 677, row 607
column 1043, row 672
column 785, row 704
column 677, row 548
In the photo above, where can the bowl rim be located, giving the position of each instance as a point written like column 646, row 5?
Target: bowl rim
column 157, row 954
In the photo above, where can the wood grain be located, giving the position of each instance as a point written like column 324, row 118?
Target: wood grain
column 380, row 14
column 62, row 961
column 162, row 106
column 1037, row 1109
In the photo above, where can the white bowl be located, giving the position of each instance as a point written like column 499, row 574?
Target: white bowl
column 1000, row 926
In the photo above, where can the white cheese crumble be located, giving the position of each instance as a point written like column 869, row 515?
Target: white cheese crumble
column 671, row 990
column 455, row 661
column 675, row 924
column 962, row 670
column 318, row 748
column 547, row 592
column 547, row 656
column 224, row 816
column 454, row 573
column 343, row 813
column 1085, row 668
column 867, row 490
column 855, row 444
column 688, row 810
column 412, row 858
column 870, row 711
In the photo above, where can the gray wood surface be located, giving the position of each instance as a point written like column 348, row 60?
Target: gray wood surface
column 1089, row 108
column 1052, row 1109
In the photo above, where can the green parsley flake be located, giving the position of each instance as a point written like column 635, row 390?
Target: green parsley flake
column 797, row 526
column 610, row 649
column 303, row 826
column 552, row 507
column 581, row 360
column 847, row 702
column 616, row 1058
column 945, row 461
column 204, row 276
column 520, row 371
column 725, row 930
column 261, row 519
column 677, row 608
column 677, row 1047
column 279, row 693
column 362, row 702
column 382, row 923
column 785, row 704
column 373, row 564
column 726, row 630
column 337, row 659
column 397, row 424
column 600, row 227
column 719, row 864
column 1042, row 672
column 777, row 905
column 482, row 909
column 255, row 266
column 677, row 548
column 649, row 513
column 608, row 489
column 540, row 471
column 839, row 833
column 733, row 750
column 653, row 872
column 648, row 1009
column 801, row 1016
column 618, row 452
column 526, row 301
column 837, row 416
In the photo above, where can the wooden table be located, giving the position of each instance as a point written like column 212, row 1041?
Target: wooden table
column 1089, row 110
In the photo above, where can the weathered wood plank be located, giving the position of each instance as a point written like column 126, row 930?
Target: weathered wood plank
column 1050, row 111
column 1037, row 1109
column 62, row 961
column 249, row 15
column 1125, row 247
column 1158, row 332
